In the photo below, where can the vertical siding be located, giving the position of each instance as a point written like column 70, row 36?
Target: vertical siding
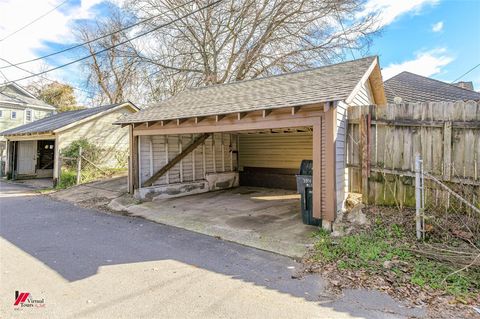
column 101, row 132
column 363, row 97
column 184, row 171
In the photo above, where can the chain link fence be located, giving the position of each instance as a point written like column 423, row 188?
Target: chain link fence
column 446, row 212
column 83, row 163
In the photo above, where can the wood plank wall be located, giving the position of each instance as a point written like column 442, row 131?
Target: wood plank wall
column 446, row 134
column 213, row 156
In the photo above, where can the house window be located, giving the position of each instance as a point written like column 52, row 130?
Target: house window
column 28, row 115
column 13, row 115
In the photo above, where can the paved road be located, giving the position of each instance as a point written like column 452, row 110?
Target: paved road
column 85, row 263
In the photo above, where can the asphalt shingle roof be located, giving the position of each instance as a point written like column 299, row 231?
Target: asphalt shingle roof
column 324, row 84
column 416, row 88
column 57, row 121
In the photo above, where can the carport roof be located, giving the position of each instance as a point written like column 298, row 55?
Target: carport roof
column 57, row 121
column 324, row 84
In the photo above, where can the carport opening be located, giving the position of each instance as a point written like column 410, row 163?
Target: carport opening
column 272, row 158
column 253, row 164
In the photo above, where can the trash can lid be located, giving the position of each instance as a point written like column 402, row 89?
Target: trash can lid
column 306, row 167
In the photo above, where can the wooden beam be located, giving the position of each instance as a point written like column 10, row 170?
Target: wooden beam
column 198, row 119
column 165, row 122
column 136, row 124
column 241, row 115
column 180, row 121
column 218, row 118
column 266, row 113
column 176, row 159
column 152, row 123
column 295, row 109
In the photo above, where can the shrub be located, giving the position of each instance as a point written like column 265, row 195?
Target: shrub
column 89, row 150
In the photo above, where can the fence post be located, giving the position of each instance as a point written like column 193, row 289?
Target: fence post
column 79, row 166
column 418, row 196
column 447, row 150
column 365, row 150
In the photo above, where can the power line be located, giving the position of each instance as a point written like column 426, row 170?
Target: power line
column 94, row 39
column 43, row 77
column 461, row 76
column 120, row 43
column 33, row 21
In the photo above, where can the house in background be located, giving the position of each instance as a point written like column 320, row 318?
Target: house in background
column 18, row 107
column 411, row 88
column 33, row 149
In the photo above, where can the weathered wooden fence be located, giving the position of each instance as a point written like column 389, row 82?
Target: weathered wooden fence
column 383, row 141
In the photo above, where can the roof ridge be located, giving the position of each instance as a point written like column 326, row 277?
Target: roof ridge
column 280, row 75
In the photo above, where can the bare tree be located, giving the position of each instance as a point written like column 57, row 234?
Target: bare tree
column 242, row 39
column 230, row 41
column 113, row 74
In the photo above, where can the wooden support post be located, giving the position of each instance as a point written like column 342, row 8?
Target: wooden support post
column 214, row 155
column 330, row 196
column 180, row 121
column 139, row 159
column 295, row 109
column 241, row 115
column 133, row 162
column 266, row 113
column 218, row 118
column 223, row 154
column 79, row 166
column 204, row 160
column 167, row 157
column 176, row 159
column 447, row 151
column 194, row 175
column 180, row 148
column 230, row 149
column 151, row 155
column 317, row 169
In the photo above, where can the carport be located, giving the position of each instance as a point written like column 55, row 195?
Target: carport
column 253, row 133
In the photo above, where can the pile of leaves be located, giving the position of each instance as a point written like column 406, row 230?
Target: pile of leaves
column 384, row 255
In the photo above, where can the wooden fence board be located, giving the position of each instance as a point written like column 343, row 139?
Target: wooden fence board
column 446, row 134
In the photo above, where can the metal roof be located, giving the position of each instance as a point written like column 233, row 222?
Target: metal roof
column 57, row 121
column 324, row 84
column 416, row 88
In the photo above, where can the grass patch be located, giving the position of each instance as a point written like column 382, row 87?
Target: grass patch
column 68, row 178
column 370, row 250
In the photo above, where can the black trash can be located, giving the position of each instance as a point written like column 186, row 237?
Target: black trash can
column 305, row 189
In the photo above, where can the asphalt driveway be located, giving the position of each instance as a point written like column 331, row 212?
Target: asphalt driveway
column 85, row 263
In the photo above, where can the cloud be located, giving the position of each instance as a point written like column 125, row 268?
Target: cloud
column 389, row 10
column 425, row 63
column 437, row 27
column 53, row 28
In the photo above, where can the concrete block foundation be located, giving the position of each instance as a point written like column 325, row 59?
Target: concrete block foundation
column 212, row 182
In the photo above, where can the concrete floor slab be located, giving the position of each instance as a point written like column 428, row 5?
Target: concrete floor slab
column 263, row 218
